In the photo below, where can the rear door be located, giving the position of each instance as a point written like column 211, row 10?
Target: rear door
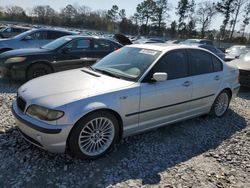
column 206, row 70
column 162, row 102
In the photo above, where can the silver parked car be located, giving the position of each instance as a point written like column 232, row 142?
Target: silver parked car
column 243, row 64
column 135, row 88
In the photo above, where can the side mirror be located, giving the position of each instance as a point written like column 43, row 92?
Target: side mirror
column 27, row 37
column 160, row 76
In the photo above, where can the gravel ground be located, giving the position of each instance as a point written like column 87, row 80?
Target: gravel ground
column 201, row 152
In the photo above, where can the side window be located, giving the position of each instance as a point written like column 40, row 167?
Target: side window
column 217, row 64
column 8, row 30
column 81, row 44
column 174, row 63
column 200, row 62
column 103, row 45
column 39, row 35
column 55, row 34
column 16, row 30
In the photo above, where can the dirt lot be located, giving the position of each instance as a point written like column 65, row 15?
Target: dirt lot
column 201, row 152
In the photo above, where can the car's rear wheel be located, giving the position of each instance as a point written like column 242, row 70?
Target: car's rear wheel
column 221, row 104
column 94, row 135
column 37, row 70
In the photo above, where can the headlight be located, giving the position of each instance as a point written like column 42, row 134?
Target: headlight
column 43, row 113
column 15, row 60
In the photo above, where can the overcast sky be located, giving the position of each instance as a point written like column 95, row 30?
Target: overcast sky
column 128, row 5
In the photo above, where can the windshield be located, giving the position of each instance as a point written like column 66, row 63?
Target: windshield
column 24, row 34
column 246, row 57
column 56, row 43
column 128, row 62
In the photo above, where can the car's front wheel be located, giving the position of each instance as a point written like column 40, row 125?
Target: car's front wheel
column 94, row 135
column 37, row 70
column 221, row 104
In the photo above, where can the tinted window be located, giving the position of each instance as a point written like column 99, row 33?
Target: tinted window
column 217, row 64
column 102, row 45
column 56, row 34
column 174, row 63
column 39, row 35
column 16, row 30
column 200, row 62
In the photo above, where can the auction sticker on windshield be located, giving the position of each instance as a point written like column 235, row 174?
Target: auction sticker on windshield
column 148, row 52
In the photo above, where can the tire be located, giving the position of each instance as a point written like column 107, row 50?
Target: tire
column 94, row 135
column 220, row 104
column 37, row 70
column 4, row 50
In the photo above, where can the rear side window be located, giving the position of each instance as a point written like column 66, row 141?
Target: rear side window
column 103, row 45
column 174, row 63
column 217, row 64
column 200, row 62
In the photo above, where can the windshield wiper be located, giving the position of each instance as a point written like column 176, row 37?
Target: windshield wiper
column 107, row 73
column 92, row 68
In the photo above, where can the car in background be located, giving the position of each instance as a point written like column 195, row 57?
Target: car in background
column 243, row 64
column 11, row 31
column 32, row 39
column 65, row 53
column 197, row 41
column 236, row 51
column 213, row 49
column 134, row 89
column 148, row 41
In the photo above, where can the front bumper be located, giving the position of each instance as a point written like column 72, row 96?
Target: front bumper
column 49, row 137
column 4, row 72
column 245, row 78
column 15, row 72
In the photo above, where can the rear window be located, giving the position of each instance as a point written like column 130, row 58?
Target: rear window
column 200, row 62
column 217, row 64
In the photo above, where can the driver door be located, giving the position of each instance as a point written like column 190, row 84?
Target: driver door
column 165, row 101
column 74, row 55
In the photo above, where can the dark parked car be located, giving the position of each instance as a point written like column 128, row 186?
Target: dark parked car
column 12, row 31
column 32, row 39
column 67, row 52
column 214, row 50
column 199, row 41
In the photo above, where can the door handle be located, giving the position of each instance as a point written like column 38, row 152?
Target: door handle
column 217, row 77
column 187, row 83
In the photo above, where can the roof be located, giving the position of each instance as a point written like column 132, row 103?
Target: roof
column 51, row 29
column 164, row 47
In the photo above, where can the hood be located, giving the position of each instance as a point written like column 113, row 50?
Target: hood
column 23, row 52
column 122, row 39
column 5, row 42
column 240, row 64
column 67, row 86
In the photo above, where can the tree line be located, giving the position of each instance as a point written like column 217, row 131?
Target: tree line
column 152, row 18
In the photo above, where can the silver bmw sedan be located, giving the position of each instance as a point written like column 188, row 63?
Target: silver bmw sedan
column 135, row 88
